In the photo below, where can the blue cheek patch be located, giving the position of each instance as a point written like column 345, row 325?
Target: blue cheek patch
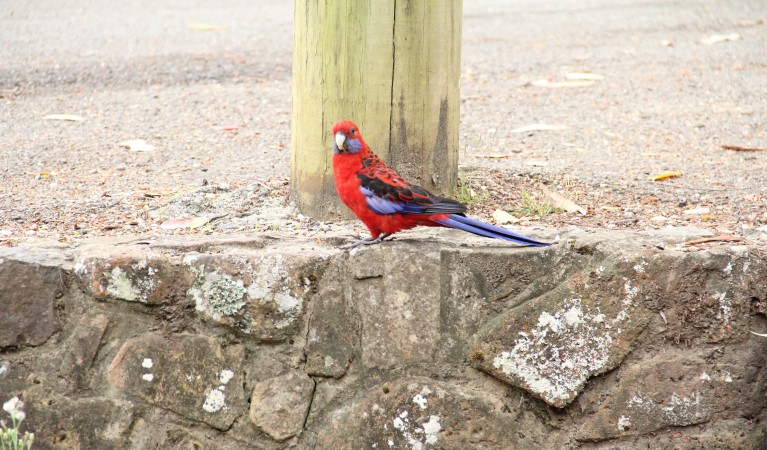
column 353, row 145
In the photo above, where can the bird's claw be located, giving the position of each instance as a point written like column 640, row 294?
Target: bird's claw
column 367, row 241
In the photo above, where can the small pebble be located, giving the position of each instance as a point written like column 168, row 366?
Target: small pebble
column 697, row 212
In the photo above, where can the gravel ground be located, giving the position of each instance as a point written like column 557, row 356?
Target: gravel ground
column 215, row 104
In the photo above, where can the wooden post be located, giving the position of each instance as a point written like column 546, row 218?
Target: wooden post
column 392, row 67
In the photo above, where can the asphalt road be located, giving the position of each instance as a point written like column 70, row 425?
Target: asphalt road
column 143, row 70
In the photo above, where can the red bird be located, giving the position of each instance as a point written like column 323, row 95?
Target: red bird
column 386, row 203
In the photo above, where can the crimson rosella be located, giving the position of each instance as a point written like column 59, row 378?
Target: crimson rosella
column 386, row 203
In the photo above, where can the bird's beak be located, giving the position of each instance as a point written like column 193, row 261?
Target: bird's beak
column 340, row 140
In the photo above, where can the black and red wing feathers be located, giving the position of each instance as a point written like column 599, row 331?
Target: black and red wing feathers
column 388, row 193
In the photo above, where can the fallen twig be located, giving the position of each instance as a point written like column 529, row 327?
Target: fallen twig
column 744, row 149
column 721, row 238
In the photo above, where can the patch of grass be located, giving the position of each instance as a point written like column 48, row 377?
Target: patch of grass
column 531, row 206
column 468, row 191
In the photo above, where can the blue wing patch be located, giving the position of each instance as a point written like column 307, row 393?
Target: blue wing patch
column 380, row 205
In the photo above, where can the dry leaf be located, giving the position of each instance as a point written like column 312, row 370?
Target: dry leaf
column 172, row 224
column 563, row 202
column 717, row 38
column 539, row 127
column 197, row 222
column 584, row 76
column 137, row 145
column 227, row 128
column 563, row 84
column 65, row 117
column 501, row 217
column 185, row 222
column 697, row 211
column 205, row 27
column 666, row 175
column 189, row 222
column 493, row 156
column 722, row 238
column 744, row 149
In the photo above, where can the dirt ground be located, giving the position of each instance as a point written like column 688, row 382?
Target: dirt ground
column 667, row 85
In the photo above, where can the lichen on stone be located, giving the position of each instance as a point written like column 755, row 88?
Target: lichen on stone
column 225, row 295
column 218, row 294
column 119, row 285
column 215, row 400
column 129, row 284
column 559, row 354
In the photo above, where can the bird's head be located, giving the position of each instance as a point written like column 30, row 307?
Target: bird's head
column 347, row 138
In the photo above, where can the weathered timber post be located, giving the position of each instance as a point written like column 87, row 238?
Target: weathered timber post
column 392, row 67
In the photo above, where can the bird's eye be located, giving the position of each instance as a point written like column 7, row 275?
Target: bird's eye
column 351, row 131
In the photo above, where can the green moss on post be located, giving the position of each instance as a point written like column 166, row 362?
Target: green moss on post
column 392, row 67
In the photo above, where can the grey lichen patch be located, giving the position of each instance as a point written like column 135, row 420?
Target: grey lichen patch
column 132, row 285
column 225, row 295
column 215, row 294
column 269, row 285
column 553, row 345
column 218, row 294
column 261, row 295
column 418, row 434
column 120, row 286
column 556, row 357
column 425, row 414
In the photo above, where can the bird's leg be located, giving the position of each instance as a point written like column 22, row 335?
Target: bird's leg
column 367, row 241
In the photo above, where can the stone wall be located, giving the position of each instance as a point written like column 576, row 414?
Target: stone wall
column 435, row 340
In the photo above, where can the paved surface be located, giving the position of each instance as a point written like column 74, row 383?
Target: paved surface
column 140, row 71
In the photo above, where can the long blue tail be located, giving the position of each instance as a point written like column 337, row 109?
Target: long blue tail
column 487, row 230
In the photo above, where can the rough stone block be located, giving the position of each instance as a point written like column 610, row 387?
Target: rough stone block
column 400, row 309
column 130, row 274
column 190, row 375
column 81, row 348
column 421, row 413
column 154, row 434
column 552, row 345
column 262, row 296
column 734, row 434
column 479, row 283
column 30, row 282
column 676, row 391
column 63, row 423
column 279, row 405
column 334, row 326
column 706, row 296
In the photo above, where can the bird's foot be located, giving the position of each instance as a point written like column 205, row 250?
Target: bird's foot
column 367, row 241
